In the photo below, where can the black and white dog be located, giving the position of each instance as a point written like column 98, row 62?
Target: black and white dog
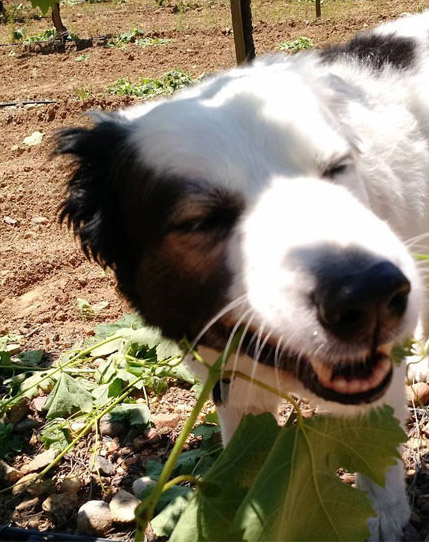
column 283, row 197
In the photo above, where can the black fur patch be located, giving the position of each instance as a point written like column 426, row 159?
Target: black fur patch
column 128, row 218
column 376, row 51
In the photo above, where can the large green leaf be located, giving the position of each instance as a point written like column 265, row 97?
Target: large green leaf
column 44, row 5
column 67, row 397
column 210, row 515
column 280, row 484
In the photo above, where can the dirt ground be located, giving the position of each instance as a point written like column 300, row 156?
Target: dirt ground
column 42, row 271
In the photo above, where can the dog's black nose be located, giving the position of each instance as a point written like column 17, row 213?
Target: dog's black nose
column 354, row 303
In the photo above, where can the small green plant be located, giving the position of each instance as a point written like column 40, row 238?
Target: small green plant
column 148, row 88
column 294, row 46
column 18, row 34
column 82, row 58
column 125, row 38
column 149, row 42
column 82, row 93
column 46, row 35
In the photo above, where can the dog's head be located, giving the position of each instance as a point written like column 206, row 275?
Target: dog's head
column 241, row 202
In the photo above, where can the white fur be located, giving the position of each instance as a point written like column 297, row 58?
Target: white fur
column 267, row 132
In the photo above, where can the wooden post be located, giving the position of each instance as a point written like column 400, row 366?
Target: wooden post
column 243, row 30
column 318, row 9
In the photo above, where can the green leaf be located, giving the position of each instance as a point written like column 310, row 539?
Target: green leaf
column 211, row 513
column 102, row 331
column 280, row 484
column 164, row 523
column 55, row 435
column 8, row 441
column 68, row 396
column 36, row 381
column 31, row 357
column 43, row 5
column 132, row 413
column 5, row 358
column 104, row 392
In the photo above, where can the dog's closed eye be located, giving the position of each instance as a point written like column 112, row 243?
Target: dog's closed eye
column 211, row 214
column 337, row 167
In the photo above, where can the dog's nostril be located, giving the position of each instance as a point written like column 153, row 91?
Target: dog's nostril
column 354, row 303
column 398, row 304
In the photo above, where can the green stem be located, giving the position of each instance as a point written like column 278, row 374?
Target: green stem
column 51, row 372
column 180, row 479
column 81, row 434
column 146, row 508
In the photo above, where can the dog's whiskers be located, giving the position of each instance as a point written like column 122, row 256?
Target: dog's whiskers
column 228, row 308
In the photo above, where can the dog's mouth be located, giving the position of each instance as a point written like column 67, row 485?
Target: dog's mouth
column 349, row 382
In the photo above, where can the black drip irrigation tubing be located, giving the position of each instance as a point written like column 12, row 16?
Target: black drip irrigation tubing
column 27, row 102
column 94, row 38
column 15, row 534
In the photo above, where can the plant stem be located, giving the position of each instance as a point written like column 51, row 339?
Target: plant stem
column 180, row 479
column 146, row 508
column 70, row 362
column 82, row 433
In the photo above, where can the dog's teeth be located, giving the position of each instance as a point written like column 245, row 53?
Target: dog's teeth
column 341, row 385
column 355, row 386
column 324, row 374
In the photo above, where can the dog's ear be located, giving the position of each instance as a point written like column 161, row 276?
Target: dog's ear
column 92, row 205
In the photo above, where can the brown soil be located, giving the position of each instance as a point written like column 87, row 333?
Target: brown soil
column 42, row 271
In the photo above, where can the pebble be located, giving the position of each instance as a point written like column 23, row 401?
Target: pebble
column 94, row 517
column 39, row 220
column 111, row 428
column 123, row 507
column 418, row 392
column 18, row 411
column 70, row 484
column 140, row 484
column 60, row 506
column 105, row 466
column 33, row 485
column 40, row 461
column 152, row 435
column 8, row 475
column 39, row 402
column 166, row 420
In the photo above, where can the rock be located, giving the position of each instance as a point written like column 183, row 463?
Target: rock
column 123, row 507
column 33, row 485
column 105, row 466
column 34, row 139
column 141, row 484
column 111, row 428
column 166, row 420
column 60, row 506
column 17, row 411
column 152, row 435
column 70, row 485
column 418, row 392
column 94, row 517
column 8, row 475
column 39, row 220
column 40, row 461
column 10, row 221
column 39, row 402
column 27, row 504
